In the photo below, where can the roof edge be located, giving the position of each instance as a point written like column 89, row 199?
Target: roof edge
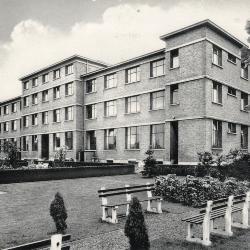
column 11, row 99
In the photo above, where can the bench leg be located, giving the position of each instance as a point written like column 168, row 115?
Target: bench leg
column 190, row 232
column 245, row 216
column 228, row 223
column 114, row 219
column 206, row 232
column 104, row 213
column 159, row 210
column 127, row 211
column 149, row 208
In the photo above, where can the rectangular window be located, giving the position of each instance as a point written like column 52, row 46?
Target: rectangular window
column 243, row 101
column 26, row 85
column 231, row 91
column 132, row 138
column 217, row 92
column 45, row 77
column 231, row 58
column 174, row 94
column 69, row 114
column 157, row 68
column 244, row 137
column 231, row 128
column 91, row 140
column 56, row 92
column 110, row 81
column 217, row 55
column 91, row 86
column 34, row 99
column 56, row 74
column 34, row 82
column 25, row 142
column 45, row 117
column 56, row 115
column 6, row 126
column 69, row 140
column 34, row 143
column 45, row 96
column 110, row 139
column 174, row 59
column 69, row 69
column 6, row 110
column 157, row 100
column 110, row 108
column 26, row 101
column 14, row 107
column 217, row 134
column 91, row 111
column 56, row 141
column 26, row 121
column 244, row 70
column 34, row 119
column 132, row 104
column 69, row 89
column 133, row 74
column 157, row 135
column 14, row 125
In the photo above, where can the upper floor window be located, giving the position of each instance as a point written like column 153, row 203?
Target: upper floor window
column 14, row 107
column 174, row 59
column 69, row 140
column 132, row 104
column 157, row 68
column 244, row 137
column 243, row 101
column 26, row 101
column 91, row 86
column 45, row 95
column 6, row 126
column 231, row 58
column 34, row 99
column 157, row 135
column 45, row 117
column 26, row 85
column 69, row 89
column 244, row 70
column 110, row 81
column 217, row 55
column 157, row 100
column 6, row 110
column 34, row 119
column 45, row 77
column 133, row 74
column 14, row 125
column 231, row 91
column 132, row 138
column 56, row 92
column 26, row 121
column 69, row 69
column 91, row 111
column 110, row 139
column 217, row 134
column 217, row 92
column 174, row 94
column 110, row 108
column 34, row 82
column 56, row 115
column 231, row 128
column 56, row 74
column 69, row 114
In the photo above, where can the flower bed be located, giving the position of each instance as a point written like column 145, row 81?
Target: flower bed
column 194, row 191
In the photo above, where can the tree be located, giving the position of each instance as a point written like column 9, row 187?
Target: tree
column 60, row 156
column 245, row 52
column 135, row 227
column 150, row 163
column 58, row 213
column 11, row 151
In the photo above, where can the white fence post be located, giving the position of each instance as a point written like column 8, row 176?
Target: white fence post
column 128, row 198
column 228, row 216
column 206, row 225
column 56, row 242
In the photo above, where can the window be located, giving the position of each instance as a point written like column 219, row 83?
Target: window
column 69, row 140
column 56, row 74
column 56, row 141
column 231, row 128
column 231, row 91
column 133, row 74
column 14, row 107
column 69, row 69
column 14, row 125
column 6, row 110
column 217, row 55
column 132, row 104
column 34, row 82
column 244, row 137
column 157, row 136
column 0, row 129
column 26, row 101
column 56, row 91
column 244, row 70
column 110, row 139
column 91, row 140
column 231, row 58
column 91, row 111
column 91, row 86
column 110, row 108
column 34, row 143
column 157, row 100
column 26, row 121
column 174, row 59
column 25, row 142
column 45, row 117
column 34, row 119
column 69, row 114
column 157, row 68
column 132, row 138
column 56, row 115
column 69, row 89
column 110, row 81
column 174, row 94
column 45, row 96
column 217, row 92
column 34, row 99
column 243, row 101
column 217, row 134
column 6, row 126
column 45, row 77
column 26, row 85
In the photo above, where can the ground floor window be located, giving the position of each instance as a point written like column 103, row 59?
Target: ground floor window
column 157, row 136
column 25, row 143
column 217, row 134
column 57, row 141
column 34, row 143
column 132, row 138
column 110, row 139
column 91, row 140
column 244, row 137
column 69, row 140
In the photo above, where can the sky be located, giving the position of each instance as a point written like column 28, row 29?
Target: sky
column 36, row 33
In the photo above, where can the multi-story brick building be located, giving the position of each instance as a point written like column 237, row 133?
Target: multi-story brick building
column 182, row 99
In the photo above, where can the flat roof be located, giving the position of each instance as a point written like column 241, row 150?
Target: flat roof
column 74, row 57
column 125, row 62
column 17, row 98
column 209, row 23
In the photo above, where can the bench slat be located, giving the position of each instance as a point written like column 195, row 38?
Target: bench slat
column 128, row 192
column 124, row 188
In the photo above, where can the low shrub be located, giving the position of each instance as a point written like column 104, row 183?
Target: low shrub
column 149, row 164
column 193, row 191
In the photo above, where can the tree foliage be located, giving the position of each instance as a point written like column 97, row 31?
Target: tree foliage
column 149, row 163
column 11, row 152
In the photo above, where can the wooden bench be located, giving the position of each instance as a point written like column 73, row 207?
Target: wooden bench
column 127, row 191
column 221, row 208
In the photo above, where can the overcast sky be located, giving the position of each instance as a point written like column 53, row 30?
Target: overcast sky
column 35, row 33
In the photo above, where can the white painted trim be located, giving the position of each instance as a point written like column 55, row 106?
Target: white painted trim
column 53, row 132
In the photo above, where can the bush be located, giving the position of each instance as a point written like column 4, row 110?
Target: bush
column 60, row 157
column 150, row 164
column 135, row 228
column 58, row 213
column 11, row 151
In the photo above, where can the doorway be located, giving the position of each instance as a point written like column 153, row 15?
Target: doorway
column 45, row 146
column 174, row 142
